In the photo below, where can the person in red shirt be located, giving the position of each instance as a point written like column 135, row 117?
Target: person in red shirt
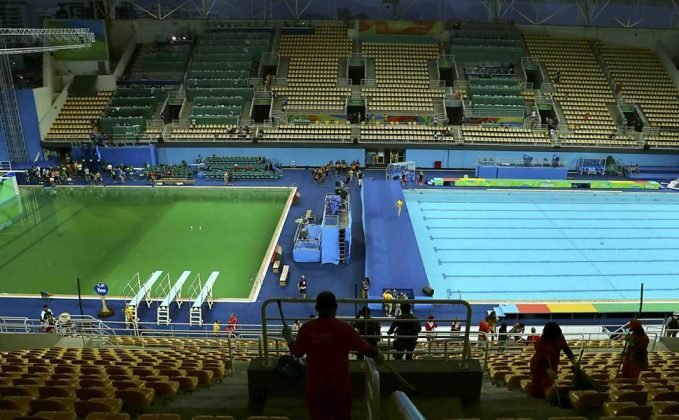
column 636, row 351
column 484, row 329
column 532, row 338
column 544, row 364
column 326, row 342
column 231, row 326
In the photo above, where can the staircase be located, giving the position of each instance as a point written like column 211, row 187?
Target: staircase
column 370, row 68
column 343, row 246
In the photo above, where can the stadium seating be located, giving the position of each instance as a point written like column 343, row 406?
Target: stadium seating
column 402, row 75
column 239, row 167
column 313, row 69
column 397, row 132
column 160, row 61
column 319, row 132
column 583, row 92
column 503, row 135
column 210, row 132
column 644, row 81
column 84, row 380
column 217, row 82
column 77, row 117
column 653, row 393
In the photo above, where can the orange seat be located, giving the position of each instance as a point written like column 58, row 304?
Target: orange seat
column 587, row 400
column 628, row 408
column 136, row 398
column 107, row 416
column 56, row 415
column 98, row 405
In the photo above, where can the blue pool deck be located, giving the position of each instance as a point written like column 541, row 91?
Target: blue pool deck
column 541, row 246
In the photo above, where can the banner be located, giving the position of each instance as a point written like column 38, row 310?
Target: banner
column 401, row 27
column 97, row 51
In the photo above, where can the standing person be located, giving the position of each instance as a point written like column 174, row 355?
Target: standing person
column 544, row 364
column 399, row 206
column 420, row 178
column 502, row 337
column 430, row 327
column 484, row 329
column 232, row 325
column 672, row 325
column 455, row 326
column 636, row 351
column 359, row 176
column 215, row 328
column 532, row 338
column 492, row 323
column 326, row 342
column 45, row 311
column 388, row 299
column 400, row 298
column 557, row 77
column 407, row 327
column 295, row 328
column 518, row 329
column 365, row 286
column 302, row 287
column 368, row 328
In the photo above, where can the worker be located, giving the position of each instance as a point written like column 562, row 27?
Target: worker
column 636, row 351
column 544, row 364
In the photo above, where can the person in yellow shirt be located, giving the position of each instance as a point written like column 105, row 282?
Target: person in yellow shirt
column 129, row 317
column 399, row 206
column 388, row 302
column 216, row 328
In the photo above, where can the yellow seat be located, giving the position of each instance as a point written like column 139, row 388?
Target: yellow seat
column 587, row 400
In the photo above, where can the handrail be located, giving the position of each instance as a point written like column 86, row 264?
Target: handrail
column 372, row 390
column 401, row 408
column 466, row 353
column 9, row 323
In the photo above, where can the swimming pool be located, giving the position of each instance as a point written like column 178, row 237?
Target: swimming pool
column 547, row 246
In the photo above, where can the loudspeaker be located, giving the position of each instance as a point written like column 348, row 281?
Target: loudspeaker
column 427, row 290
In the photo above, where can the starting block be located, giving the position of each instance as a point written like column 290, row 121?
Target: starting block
column 276, row 266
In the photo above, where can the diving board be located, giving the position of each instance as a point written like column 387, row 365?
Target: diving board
column 201, row 293
column 173, row 294
column 136, row 292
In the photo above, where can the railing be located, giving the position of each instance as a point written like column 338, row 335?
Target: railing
column 437, row 84
column 368, row 83
column 279, row 81
column 372, row 390
column 263, row 94
column 465, row 353
column 343, row 82
column 530, row 162
column 255, row 82
column 10, row 324
column 401, row 408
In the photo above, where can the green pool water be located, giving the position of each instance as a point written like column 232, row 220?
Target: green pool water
column 110, row 234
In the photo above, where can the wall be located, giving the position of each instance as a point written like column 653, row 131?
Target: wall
column 29, row 121
column 456, row 159
column 137, row 156
column 125, row 56
column 107, row 82
column 667, row 62
column 51, row 113
column 301, row 156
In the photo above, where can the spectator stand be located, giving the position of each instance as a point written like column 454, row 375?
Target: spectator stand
column 239, row 168
column 591, row 166
column 200, row 294
column 172, row 292
column 136, row 292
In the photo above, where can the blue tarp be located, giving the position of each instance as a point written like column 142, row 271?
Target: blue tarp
column 330, row 245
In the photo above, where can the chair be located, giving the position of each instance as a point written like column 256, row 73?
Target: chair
column 135, row 399
column 628, row 408
column 56, row 415
column 49, row 405
column 10, row 414
column 107, row 416
column 159, row 417
column 587, row 400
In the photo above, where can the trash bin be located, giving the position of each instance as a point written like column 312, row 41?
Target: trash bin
column 437, row 164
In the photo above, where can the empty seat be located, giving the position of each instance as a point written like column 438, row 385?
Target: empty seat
column 587, row 400
column 56, row 415
column 628, row 408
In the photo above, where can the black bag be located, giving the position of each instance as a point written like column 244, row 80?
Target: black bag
column 289, row 368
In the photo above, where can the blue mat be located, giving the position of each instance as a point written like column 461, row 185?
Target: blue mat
column 393, row 258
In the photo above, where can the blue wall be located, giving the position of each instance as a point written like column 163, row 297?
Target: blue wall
column 455, row 158
column 29, row 120
column 301, row 155
column 137, row 156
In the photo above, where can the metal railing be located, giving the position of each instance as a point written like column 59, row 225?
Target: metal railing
column 279, row 81
column 268, row 333
column 372, row 390
column 368, row 82
column 10, row 324
column 437, row 84
column 343, row 82
column 402, row 408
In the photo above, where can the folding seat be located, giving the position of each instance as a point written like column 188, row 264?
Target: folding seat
column 51, row 404
column 46, row 392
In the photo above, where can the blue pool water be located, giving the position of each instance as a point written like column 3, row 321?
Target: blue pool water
column 548, row 246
